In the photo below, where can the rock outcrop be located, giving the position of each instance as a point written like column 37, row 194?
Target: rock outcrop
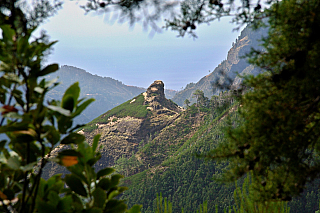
column 155, row 99
column 122, row 135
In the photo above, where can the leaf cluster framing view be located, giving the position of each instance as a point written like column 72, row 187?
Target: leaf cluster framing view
column 274, row 140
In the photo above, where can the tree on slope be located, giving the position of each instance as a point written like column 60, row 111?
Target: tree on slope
column 278, row 137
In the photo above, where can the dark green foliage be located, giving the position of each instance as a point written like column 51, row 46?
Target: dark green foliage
column 278, row 138
column 33, row 127
column 163, row 206
column 245, row 201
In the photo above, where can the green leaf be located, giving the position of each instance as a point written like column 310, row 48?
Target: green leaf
column 77, row 203
column 14, row 127
column 28, row 167
column 41, row 190
column 75, row 185
column 73, row 138
column 105, row 184
column 14, row 162
column 82, row 107
column 135, row 209
column 68, row 103
column 7, row 33
column 44, row 207
column 100, row 197
column 2, row 144
column 93, row 160
column 59, row 110
column 104, row 172
column 52, row 135
column 53, row 180
column 94, row 210
column 78, row 171
column 115, row 206
column 68, row 152
column 49, row 69
column 113, row 194
column 65, row 203
column 23, row 44
column 115, row 179
column 17, row 94
column 53, row 198
column 72, row 92
column 86, row 151
column 95, row 142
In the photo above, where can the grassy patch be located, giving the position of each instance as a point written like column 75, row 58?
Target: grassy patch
column 135, row 109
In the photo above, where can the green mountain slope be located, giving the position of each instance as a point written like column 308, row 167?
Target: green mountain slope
column 168, row 164
column 176, row 172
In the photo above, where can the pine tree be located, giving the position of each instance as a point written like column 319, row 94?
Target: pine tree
column 278, row 135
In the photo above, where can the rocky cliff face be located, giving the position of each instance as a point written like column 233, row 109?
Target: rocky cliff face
column 234, row 64
column 122, row 134
column 155, row 99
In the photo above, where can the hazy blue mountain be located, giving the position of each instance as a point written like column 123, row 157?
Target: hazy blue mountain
column 107, row 92
column 235, row 63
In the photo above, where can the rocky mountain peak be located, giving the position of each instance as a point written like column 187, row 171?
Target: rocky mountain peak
column 155, row 98
column 155, row 91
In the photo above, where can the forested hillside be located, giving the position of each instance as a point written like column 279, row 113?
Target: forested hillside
column 174, row 170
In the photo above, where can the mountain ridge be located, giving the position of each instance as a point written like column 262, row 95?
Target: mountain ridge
column 235, row 63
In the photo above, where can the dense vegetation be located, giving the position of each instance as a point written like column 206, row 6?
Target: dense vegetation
column 33, row 127
column 278, row 139
column 182, row 177
column 169, row 164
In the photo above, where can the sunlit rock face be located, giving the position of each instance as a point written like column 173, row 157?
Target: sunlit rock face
column 154, row 95
column 156, row 101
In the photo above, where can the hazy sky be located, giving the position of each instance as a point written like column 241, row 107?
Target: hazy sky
column 106, row 48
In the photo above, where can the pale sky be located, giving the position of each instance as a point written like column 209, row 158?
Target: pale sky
column 101, row 46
